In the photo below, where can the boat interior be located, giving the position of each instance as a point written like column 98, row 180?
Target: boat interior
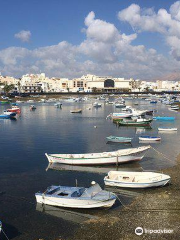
column 135, row 177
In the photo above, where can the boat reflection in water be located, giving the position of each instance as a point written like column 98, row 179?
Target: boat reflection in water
column 75, row 216
column 100, row 170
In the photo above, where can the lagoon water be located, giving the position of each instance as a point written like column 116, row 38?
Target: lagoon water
column 24, row 167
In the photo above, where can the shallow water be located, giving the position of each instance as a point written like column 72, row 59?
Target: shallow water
column 24, row 168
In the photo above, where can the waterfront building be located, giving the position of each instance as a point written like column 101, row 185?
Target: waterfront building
column 93, row 83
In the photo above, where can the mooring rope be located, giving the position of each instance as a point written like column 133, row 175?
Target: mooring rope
column 161, row 154
column 5, row 234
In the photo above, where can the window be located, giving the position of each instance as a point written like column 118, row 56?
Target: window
column 80, row 84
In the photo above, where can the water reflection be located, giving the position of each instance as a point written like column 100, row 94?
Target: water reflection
column 100, row 170
column 65, row 214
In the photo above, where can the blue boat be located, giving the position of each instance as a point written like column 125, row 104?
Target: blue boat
column 153, row 101
column 7, row 115
column 149, row 138
column 119, row 139
column 164, row 118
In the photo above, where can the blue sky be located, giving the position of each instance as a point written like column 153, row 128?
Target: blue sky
column 51, row 22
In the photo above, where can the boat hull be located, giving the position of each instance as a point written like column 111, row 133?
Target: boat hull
column 164, row 118
column 167, row 129
column 96, row 161
column 149, row 139
column 136, row 185
column 74, row 203
column 134, row 124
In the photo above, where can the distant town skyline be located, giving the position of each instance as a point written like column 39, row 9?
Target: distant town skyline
column 138, row 39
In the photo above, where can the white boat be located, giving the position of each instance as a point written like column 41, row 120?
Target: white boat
column 120, row 156
column 76, row 197
column 167, row 129
column 120, row 115
column 58, row 105
column 136, row 179
column 175, row 107
column 137, row 113
column 96, row 104
column 120, row 105
column 149, row 138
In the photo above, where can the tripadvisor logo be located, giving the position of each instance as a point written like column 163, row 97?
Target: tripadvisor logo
column 139, row 231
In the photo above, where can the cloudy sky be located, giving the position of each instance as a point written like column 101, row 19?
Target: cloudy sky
column 68, row 38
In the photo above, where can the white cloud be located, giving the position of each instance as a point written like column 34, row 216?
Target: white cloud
column 23, row 35
column 163, row 22
column 105, row 50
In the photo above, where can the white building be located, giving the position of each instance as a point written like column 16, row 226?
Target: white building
column 90, row 83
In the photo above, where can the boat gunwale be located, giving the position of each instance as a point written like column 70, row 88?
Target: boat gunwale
column 144, row 148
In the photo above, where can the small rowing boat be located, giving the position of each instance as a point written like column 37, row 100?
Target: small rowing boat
column 153, row 101
column 32, row 107
column 137, row 122
column 97, row 105
column 14, row 109
column 118, row 139
column 164, row 118
column 174, row 107
column 116, row 116
column 76, row 197
column 76, row 111
column 167, row 129
column 149, row 138
column 120, row 156
column 136, row 179
column 8, row 115
column 120, row 105
column 58, row 105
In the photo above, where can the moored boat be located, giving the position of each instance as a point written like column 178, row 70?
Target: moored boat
column 14, row 109
column 76, row 111
column 136, row 179
column 120, row 156
column 58, row 105
column 115, row 116
column 153, row 101
column 119, row 139
column 120, row 105
column 149, row 138
column 8, row 115
column 137, row 122
column 97, row 105
column 32, row 107
column 76, row 197
column 164, row 118
column 167, row 129
column 4, row 102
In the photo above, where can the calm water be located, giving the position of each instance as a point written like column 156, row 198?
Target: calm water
column 24, row 168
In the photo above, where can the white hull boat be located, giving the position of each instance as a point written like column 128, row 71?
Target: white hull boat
column 136, row 179
column 167, row 129
column 96, row 104
column 149, row 138
column 121, row 115
column 76, row 197
column 105, row 158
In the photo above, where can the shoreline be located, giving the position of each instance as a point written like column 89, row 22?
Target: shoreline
column 157, row 208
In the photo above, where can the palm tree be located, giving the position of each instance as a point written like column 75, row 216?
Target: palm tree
column 19, row 87
column 8, row 88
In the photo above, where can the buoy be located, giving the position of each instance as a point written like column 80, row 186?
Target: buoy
column 95, row 126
